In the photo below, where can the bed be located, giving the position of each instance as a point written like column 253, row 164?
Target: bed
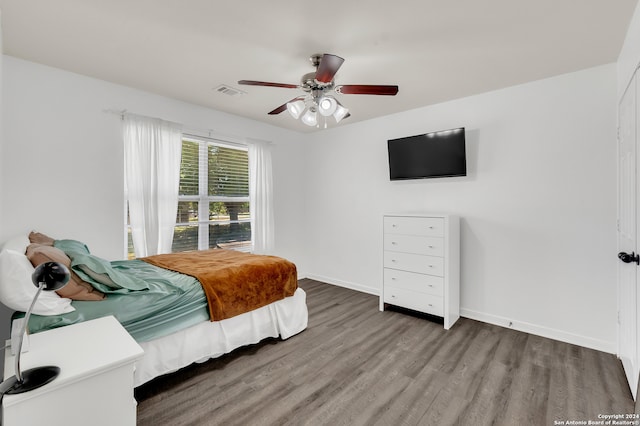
column 178, row 318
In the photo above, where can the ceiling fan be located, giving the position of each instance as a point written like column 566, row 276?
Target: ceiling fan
column 320, row 87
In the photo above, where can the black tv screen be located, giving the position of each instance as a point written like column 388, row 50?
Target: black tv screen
column 431, row 155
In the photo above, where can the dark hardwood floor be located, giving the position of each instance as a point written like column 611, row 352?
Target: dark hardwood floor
column 355, row 365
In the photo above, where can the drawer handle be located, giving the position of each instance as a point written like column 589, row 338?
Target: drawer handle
column 431, row 227
column 393, row 260
column 394, row 225
column 430, row 305
column 393, row 278
column 430, row 266
column 430, row 246
column 430, row 285
column 393, row 296
column 393, row 243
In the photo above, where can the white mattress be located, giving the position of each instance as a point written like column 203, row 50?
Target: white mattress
column 206, row 340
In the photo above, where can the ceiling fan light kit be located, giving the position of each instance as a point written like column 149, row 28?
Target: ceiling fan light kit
column 326, row 105
column 320, row 88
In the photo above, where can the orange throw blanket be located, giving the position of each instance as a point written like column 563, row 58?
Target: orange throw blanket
column 234, row 282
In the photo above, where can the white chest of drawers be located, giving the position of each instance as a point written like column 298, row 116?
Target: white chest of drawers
column 422, row 264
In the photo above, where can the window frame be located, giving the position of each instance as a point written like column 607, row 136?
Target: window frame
column 203, row 198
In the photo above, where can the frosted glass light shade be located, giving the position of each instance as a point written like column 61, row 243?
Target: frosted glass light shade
column 295, row 108
column 340, row 113
column 310, row 117
column 327, row 105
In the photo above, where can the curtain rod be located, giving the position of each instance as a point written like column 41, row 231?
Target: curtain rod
column 194, row 131
column 118, row 112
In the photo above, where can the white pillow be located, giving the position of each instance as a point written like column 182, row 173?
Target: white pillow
column 18, row 243
column 17, row 290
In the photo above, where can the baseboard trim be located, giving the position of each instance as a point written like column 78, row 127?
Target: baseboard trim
column 538, row 330
column 345, row 284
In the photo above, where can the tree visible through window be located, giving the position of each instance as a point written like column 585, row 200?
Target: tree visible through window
column 213, row 201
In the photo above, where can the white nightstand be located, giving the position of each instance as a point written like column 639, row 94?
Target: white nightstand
column 95, row 385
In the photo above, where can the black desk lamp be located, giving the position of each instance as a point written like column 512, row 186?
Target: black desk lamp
column 48, row 276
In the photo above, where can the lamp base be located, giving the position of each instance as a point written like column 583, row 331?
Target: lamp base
column 31, row 379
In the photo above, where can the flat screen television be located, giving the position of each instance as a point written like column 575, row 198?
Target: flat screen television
column 431, row 155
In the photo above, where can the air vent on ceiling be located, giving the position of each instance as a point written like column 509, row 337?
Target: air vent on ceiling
column 228, row 90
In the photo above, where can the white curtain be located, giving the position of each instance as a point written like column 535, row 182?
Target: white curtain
column 261, row 196
column 152, row 149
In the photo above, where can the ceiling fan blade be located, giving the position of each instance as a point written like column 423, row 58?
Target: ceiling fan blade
column 328, row 67
column 366, row 89
column 266, row 83
column 278, row 110
column 283, row 107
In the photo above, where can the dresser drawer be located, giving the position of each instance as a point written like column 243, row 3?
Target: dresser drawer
column 423, row 226
column 431, row 265
column 422, row 302
column 419, row 283
column 431, row 246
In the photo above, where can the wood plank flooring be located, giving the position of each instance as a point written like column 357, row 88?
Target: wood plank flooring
column 355, row 365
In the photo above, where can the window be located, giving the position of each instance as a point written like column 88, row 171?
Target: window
column 213, row 200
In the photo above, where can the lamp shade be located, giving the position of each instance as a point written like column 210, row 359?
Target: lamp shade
column 51, row 275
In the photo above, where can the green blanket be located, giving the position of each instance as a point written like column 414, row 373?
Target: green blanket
column 108, row 277
column 170, row 302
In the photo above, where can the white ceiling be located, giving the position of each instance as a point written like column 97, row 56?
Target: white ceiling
column 434, row 50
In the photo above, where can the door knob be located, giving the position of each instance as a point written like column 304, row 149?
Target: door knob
column 628, row 258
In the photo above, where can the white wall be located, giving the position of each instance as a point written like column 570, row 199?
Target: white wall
column 538, row 207
column 629, row 58
column 63, row 160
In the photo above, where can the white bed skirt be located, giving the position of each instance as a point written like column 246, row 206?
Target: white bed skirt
column 206, row 340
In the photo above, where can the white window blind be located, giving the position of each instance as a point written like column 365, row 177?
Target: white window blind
column 213, row 206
